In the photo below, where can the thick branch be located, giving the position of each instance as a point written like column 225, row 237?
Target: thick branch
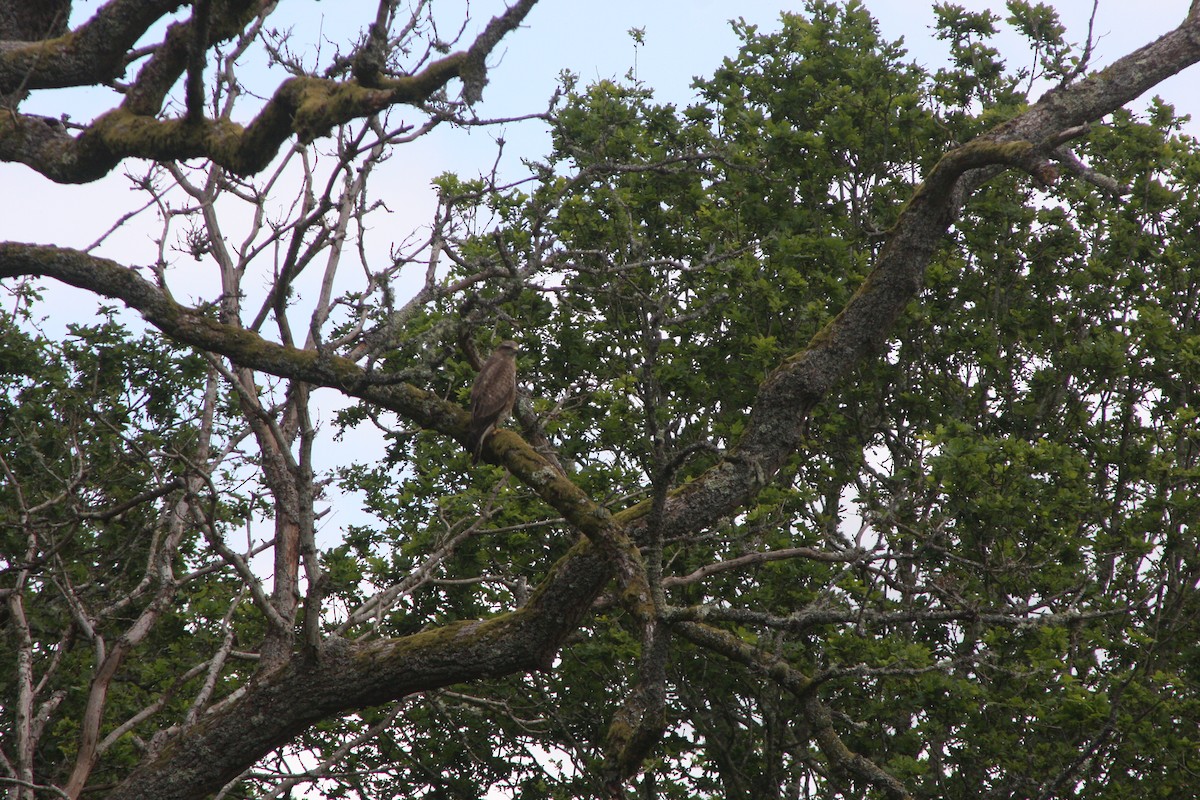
column 184, row 44
column 791, row 391
column 308, row 107
column 247, row 349
column 347, row 676
column 92, row 54
column 846, row 763
column 33, row 20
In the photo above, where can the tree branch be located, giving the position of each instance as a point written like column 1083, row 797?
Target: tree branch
column 348, row 676
column 788, row 394
column 92, row 54
column 844, row 761
column 308, row 107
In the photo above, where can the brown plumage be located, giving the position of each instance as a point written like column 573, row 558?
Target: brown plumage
column 492, row 395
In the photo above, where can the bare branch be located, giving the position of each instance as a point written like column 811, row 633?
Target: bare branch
column 308, row 107
column 753, row 559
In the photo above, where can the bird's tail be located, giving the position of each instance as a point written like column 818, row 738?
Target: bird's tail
column 478, row 438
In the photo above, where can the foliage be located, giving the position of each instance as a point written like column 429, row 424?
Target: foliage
column 1014, row 459
column 94, row 426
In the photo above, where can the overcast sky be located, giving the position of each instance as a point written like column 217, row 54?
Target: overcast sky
column 683, row 38
column 689, row 38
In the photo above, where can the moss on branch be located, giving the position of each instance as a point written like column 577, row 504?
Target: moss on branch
column 307, row 107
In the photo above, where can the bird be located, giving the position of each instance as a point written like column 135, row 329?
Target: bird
column 492, row 395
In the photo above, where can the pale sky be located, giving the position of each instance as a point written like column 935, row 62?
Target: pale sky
column 683, row 38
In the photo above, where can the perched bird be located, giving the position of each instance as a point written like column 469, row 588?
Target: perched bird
column 492, row 395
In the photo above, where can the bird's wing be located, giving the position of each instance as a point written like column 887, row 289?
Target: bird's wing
column 490, row 390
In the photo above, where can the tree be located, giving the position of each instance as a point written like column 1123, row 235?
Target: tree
column 856, row 455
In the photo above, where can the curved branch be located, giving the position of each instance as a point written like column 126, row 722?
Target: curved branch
column 785, row 398
column 762, row 557
column 183, row 43
column 348, row 676
column 94, row 53
column 845, row 762
column 308, row 107
column 248, row 349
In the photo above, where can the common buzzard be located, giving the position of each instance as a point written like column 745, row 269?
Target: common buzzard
column 492, row 395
